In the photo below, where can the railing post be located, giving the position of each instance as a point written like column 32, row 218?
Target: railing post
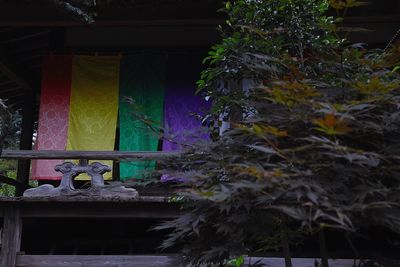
column 11, row 238
column 322, row 248
column 286, row 249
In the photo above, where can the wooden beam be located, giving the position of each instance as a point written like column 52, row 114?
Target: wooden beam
column 163, row 22
column 70, row 210
column 9, row 67
column 173, row 36
column 5, row 201
column 94, row 207
column 96, row 261
column 141, row 23
column 11, row 240
column 90, row 155
column 25, row 37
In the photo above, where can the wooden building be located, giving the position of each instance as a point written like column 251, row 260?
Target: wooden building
column 62, row 231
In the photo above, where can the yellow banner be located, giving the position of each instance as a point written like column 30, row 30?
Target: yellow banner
column 94, row 105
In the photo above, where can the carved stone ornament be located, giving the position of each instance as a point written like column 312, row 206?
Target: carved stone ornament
column 66, row 188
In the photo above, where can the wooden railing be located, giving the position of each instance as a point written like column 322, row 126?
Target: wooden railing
column 26, row 155
column 89, row 155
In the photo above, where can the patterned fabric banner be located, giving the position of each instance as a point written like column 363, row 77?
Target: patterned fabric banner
column 94, row 105
column 81, row 96
column 140, row 109
column 181, row 127
column 181, row 104
column 53, row 114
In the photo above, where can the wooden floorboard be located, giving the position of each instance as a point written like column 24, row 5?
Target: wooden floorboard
column 141, row 207
column 153, row 261
column 95, row 261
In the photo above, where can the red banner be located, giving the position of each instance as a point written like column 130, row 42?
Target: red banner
column 53, row 114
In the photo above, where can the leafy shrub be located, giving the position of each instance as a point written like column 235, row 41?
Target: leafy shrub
column 10, row 123
column 314, row 144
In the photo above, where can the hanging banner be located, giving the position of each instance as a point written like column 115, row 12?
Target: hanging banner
column 182, row 126
column 53, row 114
column 94, row 105
column 140, row 109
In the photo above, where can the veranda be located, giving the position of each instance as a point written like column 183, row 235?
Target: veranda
column 183, row 29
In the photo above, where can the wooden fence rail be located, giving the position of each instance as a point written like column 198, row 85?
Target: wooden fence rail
column 89, row 155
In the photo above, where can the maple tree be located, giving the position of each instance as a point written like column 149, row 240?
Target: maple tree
column 314, row 143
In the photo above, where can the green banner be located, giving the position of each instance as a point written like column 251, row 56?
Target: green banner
column 142, row 83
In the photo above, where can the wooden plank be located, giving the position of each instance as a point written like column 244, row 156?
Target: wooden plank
column 140, row 23
column 106, row 210
column 23, row 37
column 91, row 155
column 4, row 201
column 95, row 209
column 150, row 261
column 96, row 261
column 145, row 199
column 11, row 240
column 164, row 22
column 299, row 262
column 24, row 165
column 310, row 262
column 171, row 37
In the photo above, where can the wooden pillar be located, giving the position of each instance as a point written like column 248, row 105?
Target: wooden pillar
column 322, row 248
column 286, row 248
column 11, row 238
column 26, row 139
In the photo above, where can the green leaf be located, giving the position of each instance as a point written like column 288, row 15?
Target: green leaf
column 237, row 262
column 263, row 149
column 228, row 5
column 396, row 69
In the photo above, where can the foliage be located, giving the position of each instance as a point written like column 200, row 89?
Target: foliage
column 6, row 123
column 314, row 144
column 10, row 123
column 81, row 9
column 86, row 10
column 8, row 168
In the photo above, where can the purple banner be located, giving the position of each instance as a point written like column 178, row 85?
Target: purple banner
column 181, row 124
column 181, row 107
